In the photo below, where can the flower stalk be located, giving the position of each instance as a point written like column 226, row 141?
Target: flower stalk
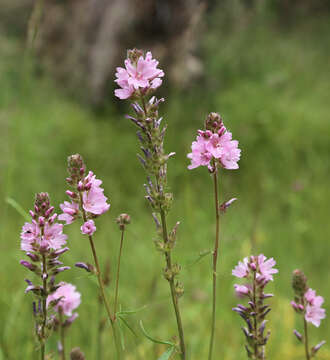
column 137, row 81
column 215, row 259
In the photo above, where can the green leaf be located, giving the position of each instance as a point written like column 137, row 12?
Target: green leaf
column 167, row 354
column 201, row 256
column 127, row 325
column 127, row 312
column 18, row 208
column 152, row 339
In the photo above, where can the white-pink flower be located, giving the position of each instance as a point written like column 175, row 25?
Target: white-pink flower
column 30, row 234
column 266, row 267
column 241, row 290
column 199, row 155
column 94, row 201
column 88, row 228
column 53, row 235
column 314, row 313
column 142, row 74
column 70, row 298
column 242, row 270
column 70, row 211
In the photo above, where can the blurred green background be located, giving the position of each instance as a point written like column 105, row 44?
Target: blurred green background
column 266, row 69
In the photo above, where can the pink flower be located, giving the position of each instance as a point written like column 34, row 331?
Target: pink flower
column 241, row 290
column 70, row 211
column 30, row 234
column 53, row 237
column 88, row 228
column 199, row 155
column 218, row 146
column 70, row 298
column 94, row 200
column 266, row 267
column 143, row 74
column 242, row 270
column 314, row 313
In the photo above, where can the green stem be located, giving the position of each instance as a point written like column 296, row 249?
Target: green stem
column 172, row 287
column 215, row 258
column 100, row 280
column 62, row 335
column 118, row 269
column 306, row 340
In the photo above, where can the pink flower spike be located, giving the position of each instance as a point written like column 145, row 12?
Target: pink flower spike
column 88, row 228
column 70, row 210
column 199, row 155
column 266, row 267
column 70, row 298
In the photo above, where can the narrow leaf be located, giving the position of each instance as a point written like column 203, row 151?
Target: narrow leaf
column 127, row 312
column 152, row 339
column 18, row 208
column 127, row 325
column 121, row 333
column 201, row 256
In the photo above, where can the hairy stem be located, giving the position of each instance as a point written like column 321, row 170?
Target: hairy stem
column 118, row 270
column 172, row 287
column 306, row 340
column 215, row 258
column 100, row 280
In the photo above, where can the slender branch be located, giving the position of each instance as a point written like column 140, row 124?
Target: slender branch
column 172, row 287
column 215, row 258
column 306, row 340
column 255, row 327
column 99, row 278
column 118, row 270
column 62, row 330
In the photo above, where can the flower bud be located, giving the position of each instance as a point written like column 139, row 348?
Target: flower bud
column 179, row 289
column 299, row 282
column 134, row 55
column 41, row 204
column 213, row 122
column 76, row 167
column 298, row 335
column 122, row 220
column 77, row 354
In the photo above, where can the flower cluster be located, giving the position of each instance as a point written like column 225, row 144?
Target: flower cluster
column 258, row 271
column 307, row 304
column 214, row 145
column 140, row 75
column 87, row 198
column 42, row 240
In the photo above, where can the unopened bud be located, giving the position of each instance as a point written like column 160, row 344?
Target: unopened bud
column 213, row 122
column 76, row 167
column 77, row 354
column 122, row 220
column 299, row 282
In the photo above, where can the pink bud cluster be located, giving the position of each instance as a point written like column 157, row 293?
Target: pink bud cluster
column 214, row 146
column 140, row 75
column 87, row 196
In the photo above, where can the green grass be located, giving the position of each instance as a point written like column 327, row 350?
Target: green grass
column 272, row 88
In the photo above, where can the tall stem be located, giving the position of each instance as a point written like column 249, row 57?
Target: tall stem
column 62, row 335
column 172, row 287
column 118, row 269
column 255, row 325
column 99, row 278
column 215, row 258
column 306, row 340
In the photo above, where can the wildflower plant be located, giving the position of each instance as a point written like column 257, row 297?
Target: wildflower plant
column 43, row 242
column 138, row 81
column 257, row 272
column 308, row 305
column 87, row 202
column 215, row 149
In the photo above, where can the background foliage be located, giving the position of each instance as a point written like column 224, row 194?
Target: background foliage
column 269, row 79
